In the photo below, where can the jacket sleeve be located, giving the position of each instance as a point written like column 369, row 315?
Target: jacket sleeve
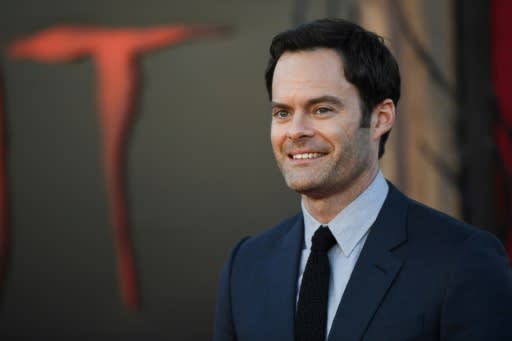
column 224, row 328
column 478, row 298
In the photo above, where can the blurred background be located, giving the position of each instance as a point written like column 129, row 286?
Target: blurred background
column 197, row 171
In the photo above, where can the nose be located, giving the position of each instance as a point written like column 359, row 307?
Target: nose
column 300, row 127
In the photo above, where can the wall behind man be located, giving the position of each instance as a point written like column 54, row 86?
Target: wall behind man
column 199, row 170
column 423, row 151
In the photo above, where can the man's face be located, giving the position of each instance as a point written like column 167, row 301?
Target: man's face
column 316, row 115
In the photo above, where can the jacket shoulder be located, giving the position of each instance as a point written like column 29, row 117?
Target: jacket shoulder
column 271, row 237
column 428, row 221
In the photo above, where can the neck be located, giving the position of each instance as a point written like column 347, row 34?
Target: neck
column 324, row 209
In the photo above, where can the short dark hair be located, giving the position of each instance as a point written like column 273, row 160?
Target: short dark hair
column 367, row 62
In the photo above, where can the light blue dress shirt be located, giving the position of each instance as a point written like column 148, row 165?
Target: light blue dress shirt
column 350, row 228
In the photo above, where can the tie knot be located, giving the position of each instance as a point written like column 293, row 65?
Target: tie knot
column 322, row 240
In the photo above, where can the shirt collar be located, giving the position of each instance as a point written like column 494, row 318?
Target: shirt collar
column 353, row 222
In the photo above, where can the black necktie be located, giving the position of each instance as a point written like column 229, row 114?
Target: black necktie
column 311, row 319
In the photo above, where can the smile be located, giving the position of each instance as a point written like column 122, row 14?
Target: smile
column 306, row 156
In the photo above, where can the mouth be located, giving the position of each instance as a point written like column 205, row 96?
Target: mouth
column 306, row 156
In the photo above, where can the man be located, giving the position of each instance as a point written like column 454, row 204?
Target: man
column 360, row 261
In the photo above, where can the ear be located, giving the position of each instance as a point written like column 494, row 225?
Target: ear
column 383, row 118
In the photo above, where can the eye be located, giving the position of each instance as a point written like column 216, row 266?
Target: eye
column 280, row 114
column 323, row 110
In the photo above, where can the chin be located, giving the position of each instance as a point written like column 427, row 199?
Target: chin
column 302, row 186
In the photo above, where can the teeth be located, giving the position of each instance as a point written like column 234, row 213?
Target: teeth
column 306, row 156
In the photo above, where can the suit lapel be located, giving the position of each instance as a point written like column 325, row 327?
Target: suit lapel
column 374, row 272
column 282, row 273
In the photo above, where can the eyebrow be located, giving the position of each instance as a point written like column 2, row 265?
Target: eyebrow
column 279, row 105
column 322, row 99
column 327, row 98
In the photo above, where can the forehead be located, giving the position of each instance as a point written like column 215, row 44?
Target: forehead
column 312, row 72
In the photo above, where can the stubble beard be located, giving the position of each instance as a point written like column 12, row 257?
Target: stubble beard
column 333, row 175
column 311, row 181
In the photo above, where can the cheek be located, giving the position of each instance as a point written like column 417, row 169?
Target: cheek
column 345, row 133
column 336, row 138
column 277, row 137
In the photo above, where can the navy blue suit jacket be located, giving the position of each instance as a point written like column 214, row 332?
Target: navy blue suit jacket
column 420, row 276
